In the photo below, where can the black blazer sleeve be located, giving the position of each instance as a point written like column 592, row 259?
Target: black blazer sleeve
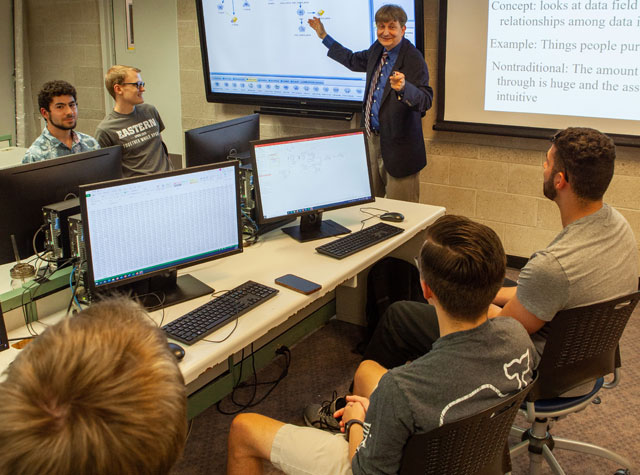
column 401, row 138
column 354, row 61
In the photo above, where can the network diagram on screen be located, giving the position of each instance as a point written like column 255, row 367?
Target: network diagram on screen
column 267, row 47
column 309, row 174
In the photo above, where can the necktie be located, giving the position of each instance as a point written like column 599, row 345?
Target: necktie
column 374, row 84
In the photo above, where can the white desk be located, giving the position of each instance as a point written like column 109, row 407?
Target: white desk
column 279, row 254
column 274, row 255
column 11, row 156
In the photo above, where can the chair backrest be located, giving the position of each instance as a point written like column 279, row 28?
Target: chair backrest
column 475, row 445
column 582, row 346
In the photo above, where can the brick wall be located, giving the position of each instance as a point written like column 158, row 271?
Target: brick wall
column 64, row 43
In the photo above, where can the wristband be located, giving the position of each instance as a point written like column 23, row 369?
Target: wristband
column 349, row 423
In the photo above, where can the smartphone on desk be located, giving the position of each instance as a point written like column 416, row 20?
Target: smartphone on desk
column 298, row 284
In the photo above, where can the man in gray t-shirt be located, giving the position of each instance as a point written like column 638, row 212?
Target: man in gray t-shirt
column 593, row 259
column 595, row 256
column 479, row 365
column 473, row 365
column 134, row 125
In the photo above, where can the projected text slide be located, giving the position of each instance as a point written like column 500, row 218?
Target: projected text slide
column 579, row 58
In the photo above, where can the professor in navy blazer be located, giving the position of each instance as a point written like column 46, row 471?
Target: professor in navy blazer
column 400, row 98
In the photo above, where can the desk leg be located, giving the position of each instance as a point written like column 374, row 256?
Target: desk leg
column 351, row 301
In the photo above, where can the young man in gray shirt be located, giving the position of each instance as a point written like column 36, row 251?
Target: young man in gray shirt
column 133, row 124
column 476, row 362
column 593, row 259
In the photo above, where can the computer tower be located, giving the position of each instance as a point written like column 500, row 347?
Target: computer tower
column 247, row 193
column 76, row 238
column 248, row 203
column 56, row 229
column 77, row 251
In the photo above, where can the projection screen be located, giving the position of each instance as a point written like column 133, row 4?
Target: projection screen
column 526, row 68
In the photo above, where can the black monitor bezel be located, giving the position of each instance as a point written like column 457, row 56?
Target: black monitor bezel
column 190, row 138
column 53, row 188
column 87, row 233
column 4, row 339
column 256, row 178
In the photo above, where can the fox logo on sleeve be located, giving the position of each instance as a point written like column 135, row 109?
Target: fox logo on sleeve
column 518, row 368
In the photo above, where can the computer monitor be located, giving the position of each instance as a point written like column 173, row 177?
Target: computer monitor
column 4, row 341
column 25, row 189
column 306, row 175
column 222, row 141
column 139, row 231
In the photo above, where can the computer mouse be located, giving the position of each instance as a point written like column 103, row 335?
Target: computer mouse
column 392, row 216
column 177, row 351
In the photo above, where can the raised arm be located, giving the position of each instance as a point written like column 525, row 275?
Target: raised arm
column 317, row 25
column 346, row 57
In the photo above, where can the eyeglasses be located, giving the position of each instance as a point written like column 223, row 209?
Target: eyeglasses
column 139, row 84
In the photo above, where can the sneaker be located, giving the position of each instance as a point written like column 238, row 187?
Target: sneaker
column 321, row 415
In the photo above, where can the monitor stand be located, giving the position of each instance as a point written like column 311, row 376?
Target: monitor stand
column 164, row 290
column 265, row 228
column 312, row 227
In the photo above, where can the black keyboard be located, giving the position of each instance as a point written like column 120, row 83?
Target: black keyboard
column 198, row 323
column 354, row 242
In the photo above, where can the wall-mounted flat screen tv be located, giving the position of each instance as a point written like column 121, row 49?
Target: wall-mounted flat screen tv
column 265, row 53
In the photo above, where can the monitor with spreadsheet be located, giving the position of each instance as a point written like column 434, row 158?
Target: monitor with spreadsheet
column 139, row 231
column 306, row 175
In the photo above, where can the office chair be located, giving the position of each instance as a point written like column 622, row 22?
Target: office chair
column 582, row 347
column 475, row 445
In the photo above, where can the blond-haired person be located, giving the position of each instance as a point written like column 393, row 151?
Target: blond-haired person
column 133, row 124
column 98, row 393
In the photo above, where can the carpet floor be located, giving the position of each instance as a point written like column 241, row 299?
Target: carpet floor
column 325, row 361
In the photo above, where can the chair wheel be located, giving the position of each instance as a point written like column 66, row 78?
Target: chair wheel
column 622, row 471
